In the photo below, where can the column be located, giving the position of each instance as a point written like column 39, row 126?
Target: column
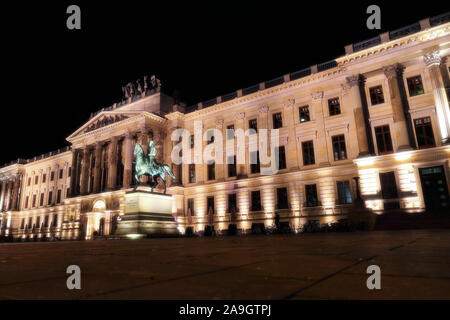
column 84, row 172
column 320, row 144
column 291, row 151
column 97, row 166
column 241, row 167
column 432, row 61
column 144, row 141
column 15, row 192
column 10, row 187
column 158, row 139
column 354, row 83
column 112, row 163
column 401, row 133
column 73, row 173
column 128, row 160
column 2, row 195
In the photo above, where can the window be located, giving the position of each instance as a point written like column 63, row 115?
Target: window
column 277, row 120
column 52, row 176
column 44, row 177
column 344, row 194
column 29, row 182
column 192, row 173
column 27, row 199
column 376, row 95
column 210, row 205
column 61, row 173
column 256, row 201
column 36, row 179
column 388, row 185
column 311, row 195
column 41, row 201
column 58, row 196
column 384, row 142
column 230, row 132
column 308, row 153
column 46, row 221
column 38, row 222
column 211, row 170
column 231, row 161
column 281, row 157
column 191, row 140
column 30, row 222
column 304, row 114
column 67, row 192
column 190, row 205
column 253, row 124
column 69, row 173
column 415, row 86
column 50, row 198
column 55, row 220
column 282, row 198
column 210, row 136
column 22, row 224
column 34, row 201
column 424, row 133
column 334, row 106
column 339, row 148
column 254, row 162
column 232, row 204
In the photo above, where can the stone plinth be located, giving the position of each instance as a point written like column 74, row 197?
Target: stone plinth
column 147, row 214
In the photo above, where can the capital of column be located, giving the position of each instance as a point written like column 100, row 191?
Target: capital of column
column 263, row 109
column 317, row 96
column 289, row 103
column 240, row 116
column 353, row 80
column 432, row 58
column 393, row 71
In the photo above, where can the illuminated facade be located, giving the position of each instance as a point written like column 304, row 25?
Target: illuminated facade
column 380, row 113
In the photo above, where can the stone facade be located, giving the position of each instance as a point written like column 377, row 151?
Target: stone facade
column 379, row 114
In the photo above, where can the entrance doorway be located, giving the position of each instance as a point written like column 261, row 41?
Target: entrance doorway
column 435, row 189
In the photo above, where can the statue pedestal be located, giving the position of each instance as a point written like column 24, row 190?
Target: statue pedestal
column 147, row 214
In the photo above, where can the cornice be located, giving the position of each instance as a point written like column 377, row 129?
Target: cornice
column 407, row 41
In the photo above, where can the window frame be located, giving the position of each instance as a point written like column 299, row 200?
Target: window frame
column 334, row 108
column 383, row 134
column 307, row 112
column 372, row 95
column 304, row 154
column 423, row 126
column 339, row 144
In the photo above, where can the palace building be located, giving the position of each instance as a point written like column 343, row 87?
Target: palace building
column 374, row 121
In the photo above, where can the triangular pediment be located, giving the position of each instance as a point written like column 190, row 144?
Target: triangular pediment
column 102, row 120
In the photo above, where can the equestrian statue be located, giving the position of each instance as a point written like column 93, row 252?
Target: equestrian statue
column 148, row 166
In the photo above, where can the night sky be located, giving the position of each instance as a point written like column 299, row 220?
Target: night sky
column 56, row 77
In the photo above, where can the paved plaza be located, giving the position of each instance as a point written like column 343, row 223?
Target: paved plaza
column 414, row 264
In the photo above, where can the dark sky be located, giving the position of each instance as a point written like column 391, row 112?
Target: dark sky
column 56, row 77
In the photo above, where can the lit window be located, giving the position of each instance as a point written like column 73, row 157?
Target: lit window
column 311, row 195
column 304, row 114
column 424, row 133
column 192, row 173
column 253, row 126
column 344, row 194
column 415, row 86
column 334, row 106
column 376, row 95
column 339, row 150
